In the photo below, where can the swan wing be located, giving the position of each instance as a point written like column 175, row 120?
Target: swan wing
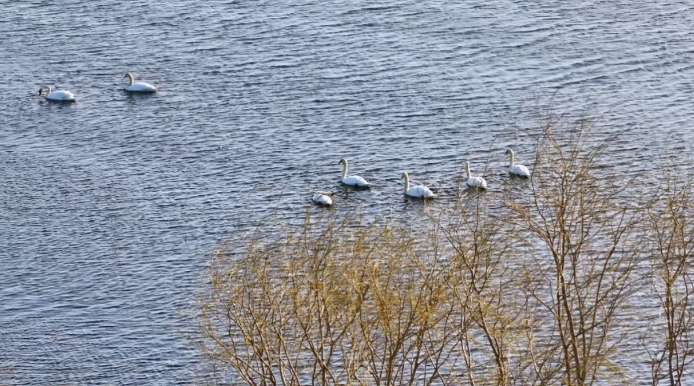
column 355, row 181
column 420, row 191
column 321, row 199
column 61, row 95
column 477, row 182
column 141, row 87
column 519, row 170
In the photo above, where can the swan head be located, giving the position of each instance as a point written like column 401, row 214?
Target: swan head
column 342, row 161
column 130, row 78
column 404, row 175
column 509, row 151
column 47, row 88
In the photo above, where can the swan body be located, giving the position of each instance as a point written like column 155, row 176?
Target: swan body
column 352, row 180
column 420, row 191
column 141, row 87
column 474, row 182
column 322, row 198
column 518, row 170
column 57, row 96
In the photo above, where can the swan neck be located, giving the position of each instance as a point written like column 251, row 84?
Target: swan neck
column 407, row 182
column 467, row 169
column 130, row 79
column 344, row 170
column 512, row 157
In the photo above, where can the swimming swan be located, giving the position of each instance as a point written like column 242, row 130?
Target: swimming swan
column 141, row 87
column 474, row 182
column 352, row 180
column 322, row 198
column 418, row 190
column 518, row 170
column 57, row 96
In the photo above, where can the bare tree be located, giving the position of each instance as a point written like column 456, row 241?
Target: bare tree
column 482, row 288
column 582, row 254
column 671, row 239
column 331, row 304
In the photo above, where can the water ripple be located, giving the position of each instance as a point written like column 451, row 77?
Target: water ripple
column 110, row 206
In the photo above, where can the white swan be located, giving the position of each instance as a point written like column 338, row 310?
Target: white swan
column 474, row 182
column 58, row 96
column 322, row 198
column 518, row 170
column 138, row 86
column 352, row 180
column 418, row 190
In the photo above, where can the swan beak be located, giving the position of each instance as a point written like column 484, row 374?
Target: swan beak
column 39, row 92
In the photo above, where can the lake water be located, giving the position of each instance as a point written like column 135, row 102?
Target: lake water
column 109, row 208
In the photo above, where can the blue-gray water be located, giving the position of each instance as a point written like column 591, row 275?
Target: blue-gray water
column 110, row 207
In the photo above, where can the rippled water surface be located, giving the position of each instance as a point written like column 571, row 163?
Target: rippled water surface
column 110, row 207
